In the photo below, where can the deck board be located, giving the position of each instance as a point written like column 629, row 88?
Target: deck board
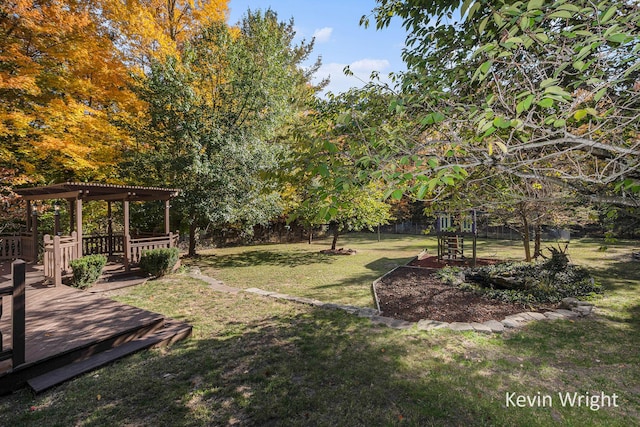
column 64, row 321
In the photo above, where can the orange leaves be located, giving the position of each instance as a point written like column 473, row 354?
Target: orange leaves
column 153, row 29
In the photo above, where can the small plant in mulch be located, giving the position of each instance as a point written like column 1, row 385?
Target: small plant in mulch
column 87, row 270
column 526, row 283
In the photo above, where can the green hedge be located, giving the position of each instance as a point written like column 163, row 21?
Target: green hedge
column 159, row 262
column 86, row 270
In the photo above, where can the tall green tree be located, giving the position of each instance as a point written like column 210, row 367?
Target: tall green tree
column 545, row 90
column 214, row 113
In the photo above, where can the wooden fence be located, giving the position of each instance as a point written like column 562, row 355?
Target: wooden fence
column 107, row 245
column 19, row 245
column 137, row 246
column 16, row 291
column 10, row 247
column 59, row 251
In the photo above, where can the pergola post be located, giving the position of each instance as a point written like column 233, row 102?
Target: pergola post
column 109, row 228
column 34, row 230
column 79, row 225
column 72, row 216
column 167, row 206
column 28, row 215
column 127, row 237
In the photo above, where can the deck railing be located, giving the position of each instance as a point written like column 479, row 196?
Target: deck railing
column 10, row 246
column 137, row 246
column 16, row 291
column 59, row 251
column 99, row 244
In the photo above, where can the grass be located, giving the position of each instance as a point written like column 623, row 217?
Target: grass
column 259, row 361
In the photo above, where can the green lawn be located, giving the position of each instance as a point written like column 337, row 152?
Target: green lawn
column 259, row 361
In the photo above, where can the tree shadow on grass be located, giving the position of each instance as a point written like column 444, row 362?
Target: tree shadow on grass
column 265, row 257
column 619, row 275
column 311, row 368
column 320, row 367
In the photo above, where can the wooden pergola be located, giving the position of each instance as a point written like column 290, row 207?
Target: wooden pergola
column 59, row 250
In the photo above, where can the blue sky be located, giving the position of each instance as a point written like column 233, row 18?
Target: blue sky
column 340, row 40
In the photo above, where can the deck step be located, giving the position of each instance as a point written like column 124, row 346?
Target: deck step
column 171, row 332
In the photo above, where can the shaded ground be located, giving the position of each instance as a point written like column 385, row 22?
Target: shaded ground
column 416, row 293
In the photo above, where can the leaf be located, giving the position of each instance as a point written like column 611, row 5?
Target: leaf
column 528, row 101
column 599, row 94
column 606, row 16
column 422, row 191
column 562, row 14
column 545, row 102
column 330, row 147
column 501, row 123
column 502, row 147
column 534, row 4
column 323, row 170
column 397, row 194
column 580, row 114
column 617, row 38
column 448, row 180
column 548, row 82
column 465, row 7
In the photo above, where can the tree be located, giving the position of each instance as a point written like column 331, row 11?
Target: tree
column 352, row 209
column 545, row 90
column 213, row 114
column 149, row 30
column 62, row 84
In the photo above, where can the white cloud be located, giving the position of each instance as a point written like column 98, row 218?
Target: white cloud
column 323, row 34
column 361, row 70
column 369, row 65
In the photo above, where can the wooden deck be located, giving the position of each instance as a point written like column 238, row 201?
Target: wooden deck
column 66, row 326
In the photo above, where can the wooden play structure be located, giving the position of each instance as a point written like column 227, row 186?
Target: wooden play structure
column 452, row 230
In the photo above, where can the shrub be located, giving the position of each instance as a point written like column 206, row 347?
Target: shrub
column 86, row 270
column 159, row 262
column 527, row 283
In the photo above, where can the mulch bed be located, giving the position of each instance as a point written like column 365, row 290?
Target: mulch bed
column 412, row 294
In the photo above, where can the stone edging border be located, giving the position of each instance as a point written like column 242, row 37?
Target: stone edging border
column 571, row 308
column 578, row 309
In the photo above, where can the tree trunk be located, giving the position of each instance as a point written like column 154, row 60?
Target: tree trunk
column 525, row 234
column 310, row 235
column 336, row 233
column 537, row 248
column 192, row 238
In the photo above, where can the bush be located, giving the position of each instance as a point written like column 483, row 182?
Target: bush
column 527, row 283
column 159, row 262
column 86, row 270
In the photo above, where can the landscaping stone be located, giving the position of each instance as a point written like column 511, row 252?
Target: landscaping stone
column 583, row 310
column 259, row 291
column 381, row 320
column 495, row 326
column 569, row 302
column 367, row 312
column 427, row 325
column 520, row 317
column 567, row 313
column 479, row 327
column 460, row 326
column 553, row 315
column 585, row 303
column 511, row 323
column 535, row 316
